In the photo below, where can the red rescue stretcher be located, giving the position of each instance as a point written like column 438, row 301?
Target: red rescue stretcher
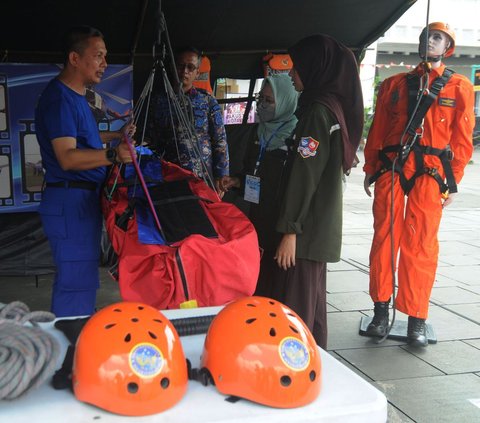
column 206, row 254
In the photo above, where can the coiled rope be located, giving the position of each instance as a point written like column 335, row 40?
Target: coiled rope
column 28, row 354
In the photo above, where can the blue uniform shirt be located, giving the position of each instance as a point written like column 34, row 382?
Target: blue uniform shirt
column 61, row 112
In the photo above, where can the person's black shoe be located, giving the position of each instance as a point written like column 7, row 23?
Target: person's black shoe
column 417, row 332
column 379, row 324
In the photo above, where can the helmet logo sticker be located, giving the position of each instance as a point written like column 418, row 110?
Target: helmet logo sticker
column 294, row 353
column 146, row 360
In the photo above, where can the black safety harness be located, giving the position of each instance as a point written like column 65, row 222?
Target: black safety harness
column 414, row 131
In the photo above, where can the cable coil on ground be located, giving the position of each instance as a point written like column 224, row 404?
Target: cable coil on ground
column 28, row 354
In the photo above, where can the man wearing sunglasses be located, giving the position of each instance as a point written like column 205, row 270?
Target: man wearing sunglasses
column 207, row 120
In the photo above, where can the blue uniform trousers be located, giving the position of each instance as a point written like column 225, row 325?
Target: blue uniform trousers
column 72, row 222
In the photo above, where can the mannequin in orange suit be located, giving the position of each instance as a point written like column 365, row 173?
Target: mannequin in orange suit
column 448, row 123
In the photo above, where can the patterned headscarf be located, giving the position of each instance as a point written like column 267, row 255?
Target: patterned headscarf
column 285, row 120
column 329, row 74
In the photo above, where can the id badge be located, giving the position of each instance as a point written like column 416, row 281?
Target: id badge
column 252, row 189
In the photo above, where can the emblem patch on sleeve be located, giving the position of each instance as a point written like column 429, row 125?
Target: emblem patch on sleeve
column 447, row 102
column 307, row 147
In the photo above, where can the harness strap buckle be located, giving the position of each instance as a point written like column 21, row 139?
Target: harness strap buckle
column 419, row 131
column 405, row 150
column 450, row 154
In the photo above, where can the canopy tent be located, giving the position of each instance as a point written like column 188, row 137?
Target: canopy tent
column 235, row 34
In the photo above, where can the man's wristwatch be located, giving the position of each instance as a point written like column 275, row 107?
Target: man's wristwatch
column 111, row 154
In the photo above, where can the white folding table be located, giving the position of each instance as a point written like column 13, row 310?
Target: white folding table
column 345, row 397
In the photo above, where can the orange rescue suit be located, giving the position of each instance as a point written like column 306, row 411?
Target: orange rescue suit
column 449, row 121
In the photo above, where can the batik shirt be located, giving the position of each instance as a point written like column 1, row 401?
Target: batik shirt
column 210, row 132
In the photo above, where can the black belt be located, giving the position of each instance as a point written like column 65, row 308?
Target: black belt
column 91, row 186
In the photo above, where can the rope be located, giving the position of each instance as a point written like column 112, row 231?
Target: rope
column 28, row 354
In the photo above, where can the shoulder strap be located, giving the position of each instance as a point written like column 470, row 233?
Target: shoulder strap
column 427, row 100
column 413, row 82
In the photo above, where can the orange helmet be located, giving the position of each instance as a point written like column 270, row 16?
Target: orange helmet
column 445, row 28
column 129, row 360
column 259, row 349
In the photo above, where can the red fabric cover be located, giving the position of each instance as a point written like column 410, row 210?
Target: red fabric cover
column 217, row 270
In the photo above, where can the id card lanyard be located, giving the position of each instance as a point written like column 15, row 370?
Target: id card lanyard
column 252, row 182
column 263, row 147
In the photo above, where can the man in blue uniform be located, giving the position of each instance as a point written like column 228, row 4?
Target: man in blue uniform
column 75, row 167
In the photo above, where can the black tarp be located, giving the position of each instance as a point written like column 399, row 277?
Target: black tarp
column 234, row 33
column 23, row 247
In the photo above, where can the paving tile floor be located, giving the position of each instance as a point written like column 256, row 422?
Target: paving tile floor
column 440, row 382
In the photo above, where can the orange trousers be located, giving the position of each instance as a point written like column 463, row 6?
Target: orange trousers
column 415, row 228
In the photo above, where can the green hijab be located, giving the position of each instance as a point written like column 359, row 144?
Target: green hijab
column 284, row 122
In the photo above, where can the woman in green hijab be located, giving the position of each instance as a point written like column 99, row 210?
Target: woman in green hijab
column 276, row 105
column 264, row 176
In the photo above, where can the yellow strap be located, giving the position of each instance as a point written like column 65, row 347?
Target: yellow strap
column 189, row 304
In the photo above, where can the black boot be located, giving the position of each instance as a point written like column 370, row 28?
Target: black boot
column 417, row 332
column 378, row 325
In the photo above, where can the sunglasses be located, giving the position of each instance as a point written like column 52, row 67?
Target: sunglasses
column 189, row 66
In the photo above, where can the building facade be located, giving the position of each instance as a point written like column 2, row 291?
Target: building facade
column 397, row 50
